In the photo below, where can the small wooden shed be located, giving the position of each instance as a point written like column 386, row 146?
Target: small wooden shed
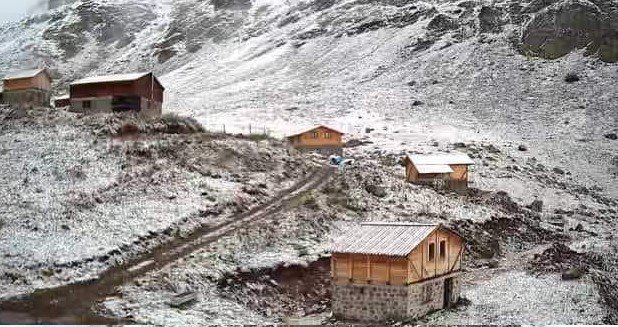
column 61, row 101
column 27, row 88
column 321, row 138
column 386, row 271
column 450, row 170
column 135, row 93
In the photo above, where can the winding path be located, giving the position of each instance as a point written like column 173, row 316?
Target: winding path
column 75, row 303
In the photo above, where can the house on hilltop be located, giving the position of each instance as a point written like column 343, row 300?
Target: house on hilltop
column 321, row 139
column 383, row 271
column 29, row 88
column 138, row 93
column 449, row 169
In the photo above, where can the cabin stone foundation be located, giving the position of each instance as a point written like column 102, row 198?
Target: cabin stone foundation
column 374, row 303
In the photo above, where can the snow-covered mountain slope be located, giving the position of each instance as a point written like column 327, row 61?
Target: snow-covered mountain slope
column 414, row 71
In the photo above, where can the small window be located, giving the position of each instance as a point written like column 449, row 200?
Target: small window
column 316, row 135
column 432, row 252
column 442, row 250
column 87, row 104
column 327, row 135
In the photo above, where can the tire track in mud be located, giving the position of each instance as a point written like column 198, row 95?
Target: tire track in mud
column 75, row 303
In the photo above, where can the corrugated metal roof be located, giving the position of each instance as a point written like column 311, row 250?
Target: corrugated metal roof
column 24, row 74
column 309, row 129
column 433, row 169
column 392, row 239
column 441, row 159
column 110, row 78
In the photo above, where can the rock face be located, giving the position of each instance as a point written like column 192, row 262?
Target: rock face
column 573, row 24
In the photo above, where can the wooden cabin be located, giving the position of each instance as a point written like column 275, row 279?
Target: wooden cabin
column 449, row 170
column 384, row 271
column 140, row 93
column 321, row 139
column 30, row 88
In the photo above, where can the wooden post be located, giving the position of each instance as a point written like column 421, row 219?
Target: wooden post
column 223, row 128
column 368, row 270
column 388, row 271
column 350, row 262
column 249, row 129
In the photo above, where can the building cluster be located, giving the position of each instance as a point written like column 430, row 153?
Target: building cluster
column 140, row 93
column 395, row 271
column 379, row 271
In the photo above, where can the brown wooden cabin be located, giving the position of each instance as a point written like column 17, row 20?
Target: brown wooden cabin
column 449, row 170
column 395, row 270
column 138, row 93
column 321, row 139
column 30, row 88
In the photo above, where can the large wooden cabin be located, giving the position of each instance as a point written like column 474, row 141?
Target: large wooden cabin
column 395, row 270
column 321, row 139
column 137, row 93
column 449, row 170
column 30, row 88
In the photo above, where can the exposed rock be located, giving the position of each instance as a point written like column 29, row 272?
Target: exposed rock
column 571, row 78
column 573, row 273
column 522, row 147
column 491, row 19
column 558, row 171
column 417, row 103
column 537, row 206
column 573, row 24
column 442, row 23
column 376, row 190
column 611, row 136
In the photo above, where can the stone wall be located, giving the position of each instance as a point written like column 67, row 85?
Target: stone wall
column 391, row 302
column 369, row 302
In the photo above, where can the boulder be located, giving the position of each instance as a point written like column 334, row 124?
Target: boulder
column 537, row 206
column 611, row 136
column 571, row 78
column 522, row 147
column 491, row 19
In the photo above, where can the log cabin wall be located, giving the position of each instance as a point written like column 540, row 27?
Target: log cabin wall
column 320, row 136
column 40, row 82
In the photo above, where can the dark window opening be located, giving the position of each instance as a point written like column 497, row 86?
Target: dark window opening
column 316, row 135
column 442, row 250
column 87, row 104
column 432, row 251
column 123, row 103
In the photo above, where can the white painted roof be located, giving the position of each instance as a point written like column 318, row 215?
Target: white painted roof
column 441, row 159
column 433, row 169
column 393, row 239
column 110, row 78
column 24, row 74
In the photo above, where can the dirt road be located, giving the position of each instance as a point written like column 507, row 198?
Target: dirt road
column 74, row 304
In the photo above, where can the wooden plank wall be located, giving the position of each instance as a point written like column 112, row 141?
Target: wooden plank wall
column 368, row 269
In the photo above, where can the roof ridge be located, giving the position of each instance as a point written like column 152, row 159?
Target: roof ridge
column 398, row 223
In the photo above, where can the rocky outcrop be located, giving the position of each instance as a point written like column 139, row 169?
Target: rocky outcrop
column 573, row 24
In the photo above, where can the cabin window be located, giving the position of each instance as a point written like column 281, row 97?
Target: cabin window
column 327, row 135
column 316, row 135
column 87, row 104
column 432, row 251
column 442, row 250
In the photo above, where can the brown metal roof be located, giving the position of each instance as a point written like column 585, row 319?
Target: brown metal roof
column 309, row 129
column 392, row 239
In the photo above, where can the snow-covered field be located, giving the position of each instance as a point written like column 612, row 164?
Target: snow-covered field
column 77, row 202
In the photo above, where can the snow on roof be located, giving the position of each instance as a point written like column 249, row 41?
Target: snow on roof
column 24, row 74
column 433, row 169
column 110, row 78
column 393, row 239
column 440, row 159
column 61, row 97
column 309, row 129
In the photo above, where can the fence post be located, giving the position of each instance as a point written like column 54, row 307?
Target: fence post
column 223, row 128
column 249, row 129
